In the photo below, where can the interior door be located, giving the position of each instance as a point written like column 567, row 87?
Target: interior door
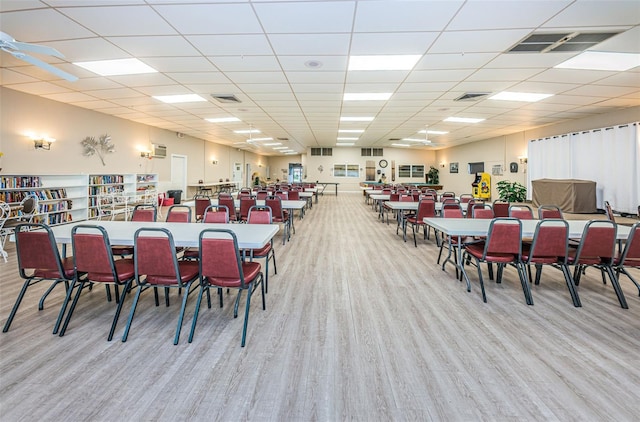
column 179, row 173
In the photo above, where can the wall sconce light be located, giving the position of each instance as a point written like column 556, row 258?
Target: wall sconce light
column 214, row 162
column 523, row 160
column 145, row 154
column 43, row 142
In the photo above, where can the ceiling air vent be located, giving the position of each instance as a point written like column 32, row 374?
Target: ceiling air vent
column 560, row 42
column 472, row 96
column 282, row 139
column 226, row 98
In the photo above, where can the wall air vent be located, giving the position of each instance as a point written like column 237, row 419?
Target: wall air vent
column 472, row 96
column 560, row 42
column 226, row 98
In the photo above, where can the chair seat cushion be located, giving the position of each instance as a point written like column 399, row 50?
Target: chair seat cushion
column 122, row 250
column 249, row 269
column 262, row 251
column 124, row 271
column 188, row 271
column 67, row 266
column 477, row 250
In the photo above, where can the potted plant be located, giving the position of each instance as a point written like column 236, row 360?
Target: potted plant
column 511, row 191
column 433, row 177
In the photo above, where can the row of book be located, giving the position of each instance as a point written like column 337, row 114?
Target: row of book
column 52, row 219
column 42, row 195
column 17, row 182
column 106, row 179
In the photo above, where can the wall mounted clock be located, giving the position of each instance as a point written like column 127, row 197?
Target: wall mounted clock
column 383, row 163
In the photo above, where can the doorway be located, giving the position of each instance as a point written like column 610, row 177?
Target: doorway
column 179, row 173
column 295, row 173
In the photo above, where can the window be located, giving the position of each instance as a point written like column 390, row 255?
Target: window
column 346, row 170
column 322, row 151
column 411, row 170
column 369, row 152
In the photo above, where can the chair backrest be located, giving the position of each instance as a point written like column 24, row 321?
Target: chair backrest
column 5, row 211
column 36, row 248
column 609, row 211
column 504, row 237
column 550, row 240
column 426, row 209
column 245, row 204
column 386, row 191
column 294, row 195
column 449, row 200
column 428, row 195
column 466, row 197
column 155, row 256
column 144, row 212
column 406, row 198
column 501, row 208
column 631, row 253
column 447, row 195
column 230, row 203
column 452, row 210
column 275, row 203
column 549, row 211
column 216, row 214
column 262, row 194
column 220, row 260
column 202, row 203
column 469, row 206
column 259, row 215
column 483, row 211
column 179, row 214
column 598, row 241
column 395, row 197
column 282, row 194
column 92, row 252
column 522, row 212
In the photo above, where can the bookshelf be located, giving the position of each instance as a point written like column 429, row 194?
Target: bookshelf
column 65, row 198
column 61, row 198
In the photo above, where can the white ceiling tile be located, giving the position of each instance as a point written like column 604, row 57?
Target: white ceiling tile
column 310, row 44
column 231, row 45
column 180, row 64
column 502, row 74
column 477, row 41
column 505, row 14
column 120, row 20
column 246, row 63
column 211, row 18
column 89, row 49
column 451, row 61
column 198, row 77
column 311, row 17
column 528, row 60
column 256, row 77
column 155, row 46
column 318, row 77
column 439, row 75
column 571, row 76
column 69, row 97
column 391, row 43
column 597, row 13
column 621, row 79
column 21, row 25
column 39, row 88
column 601, row 91
column 392, row 16
column 327, row 63
column 376, row 76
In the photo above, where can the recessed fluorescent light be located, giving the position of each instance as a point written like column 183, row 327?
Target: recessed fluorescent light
column 382, row 62
column 356, row 119
column 260, row 139
column 223, row 119
column 246, row 131
column 598, row 60
column 281, row 148
column 434, row 132
column 181, row 98
column 463, row 120
column 116, row 67
column 400, row 145
column 272, row 144
column 350, row 130
column 346, row 139
column 290, row 152
column 364, row 96
column 413, row 139
column 345, row 144
column 520, row 96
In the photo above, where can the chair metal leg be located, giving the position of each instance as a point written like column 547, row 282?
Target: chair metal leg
column 119, row 309
column 196, row 311
column 132, row 313
column 484, row 295
column 625, row 272
column 71, row 309
column 182, row 309
column 616, row 287
column 526, row 288
column 16, row 305
column 49, row 290
column 572, row 288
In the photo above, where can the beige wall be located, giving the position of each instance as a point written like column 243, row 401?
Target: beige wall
column 506, row 149
column 22, row 113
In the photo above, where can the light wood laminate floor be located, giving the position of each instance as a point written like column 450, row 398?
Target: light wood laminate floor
column 359, row 326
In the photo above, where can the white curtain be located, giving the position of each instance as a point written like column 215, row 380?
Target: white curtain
column 609, row 156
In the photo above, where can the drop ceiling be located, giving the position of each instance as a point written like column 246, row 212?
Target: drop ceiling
column 286, row 62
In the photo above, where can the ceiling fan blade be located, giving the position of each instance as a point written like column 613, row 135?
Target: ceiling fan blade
column 45, row 66
column 35, row 48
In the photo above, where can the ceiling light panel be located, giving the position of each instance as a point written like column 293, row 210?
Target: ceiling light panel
column 374, row 96
column 387, row 62
column 463, row 120
column 355, row 119
column 116, row 67
column 599, row 60
column 223, row 120
column 181, row 98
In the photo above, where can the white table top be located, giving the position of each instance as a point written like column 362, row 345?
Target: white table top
column 205, row 184
column 480, row 227
column 250, row 236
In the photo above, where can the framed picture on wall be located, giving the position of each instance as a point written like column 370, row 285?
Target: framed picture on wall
column 453, row 167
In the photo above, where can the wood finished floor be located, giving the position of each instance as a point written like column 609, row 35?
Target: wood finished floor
column 359, row 326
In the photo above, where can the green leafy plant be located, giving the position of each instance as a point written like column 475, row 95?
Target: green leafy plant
column 433, row 176
column 511, row 191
